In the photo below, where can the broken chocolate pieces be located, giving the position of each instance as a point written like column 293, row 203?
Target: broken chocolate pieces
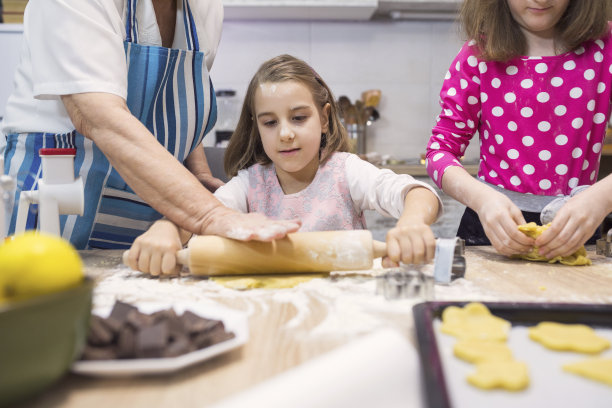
column 128, row 333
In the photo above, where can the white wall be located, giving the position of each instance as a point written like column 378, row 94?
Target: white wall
column 407, row 60
column 10, row 47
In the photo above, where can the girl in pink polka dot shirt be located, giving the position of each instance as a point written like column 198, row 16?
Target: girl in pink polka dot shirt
column 535, row 83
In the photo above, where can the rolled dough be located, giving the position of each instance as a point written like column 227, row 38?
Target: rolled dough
column 534, row 230
column 598, row 369
column 474, row 321
column 266, row 281
column 568, row 337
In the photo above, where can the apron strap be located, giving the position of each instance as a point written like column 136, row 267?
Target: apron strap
column 191, row 35
column 524, row 201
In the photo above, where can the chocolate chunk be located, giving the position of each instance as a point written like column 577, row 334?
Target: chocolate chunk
column 100, row 334
column 126, row 342
column 197, row 324
column 179, row 345
column 220, row 336
column 99, row 353
column 207, row 338
column 151, row 341
column 119, row 314
column 139, row 320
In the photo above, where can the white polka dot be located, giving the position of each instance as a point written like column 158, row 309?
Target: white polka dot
column 448, row 75
column 451, row 92
column 573, row 182
column 589, row 74
column 482, row 67
column 598, row 57
column 560, row 110
column 435, row 174
column 599, row 118
column 513, row 154
column 510, row 97
column 585, row 165
column 497, row 111
column 486, row 134
column 528, row 169
column 512, row 126
column 462, row 147
column 476, row 79
column 448, row 112
column 492, row 173
column 504, row 165
column 576, row 92
column 569, row 65
column 541, row 68
column 580, row 50
column 511, row 70
column 459, row 108
column 471, row 43
column 526, row 83
column 556, row 81
column 544, row 126
column 527, row 112
column 492, row 149
column 528, row 141
column 483, row 97
column 472, row 100
column 561, row 140
column 459, row 125
column 438, row 156
column 591, row 105
column 577, row 123
column 472, row 61
column 499, row 139
column 601, row 87
column 463, row 83
column 576, row 153
column 544, row 184
column 600, row 43
column 543, row 97
column 596, row 147
column 495, row 83
column 588, row 136
column 544, row 155
column 561, row 169
column 435, row 146
column 515, row 181
column 458, row 66
column 592, row 176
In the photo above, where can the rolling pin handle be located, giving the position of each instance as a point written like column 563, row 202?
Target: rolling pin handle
column 182, row 257
column 379, row 249
column 125, row 257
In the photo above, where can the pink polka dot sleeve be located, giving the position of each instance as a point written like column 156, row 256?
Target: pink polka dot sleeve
column 456, row 124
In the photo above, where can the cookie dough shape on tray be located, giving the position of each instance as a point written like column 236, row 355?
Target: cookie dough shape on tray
column 599, row 369
column 510, row 375
column 478, row 351
column 474, row 321
column 568, row 337
column 533, row 230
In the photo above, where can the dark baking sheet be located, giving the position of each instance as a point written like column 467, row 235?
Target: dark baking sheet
column 519, row 314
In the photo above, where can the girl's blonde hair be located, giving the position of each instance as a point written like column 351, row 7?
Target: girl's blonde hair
column 499, row 37
column 245, row 147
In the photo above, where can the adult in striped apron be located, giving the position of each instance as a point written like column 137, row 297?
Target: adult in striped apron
column 170, row 92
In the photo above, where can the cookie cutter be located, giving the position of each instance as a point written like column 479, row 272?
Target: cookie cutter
column 604, row 245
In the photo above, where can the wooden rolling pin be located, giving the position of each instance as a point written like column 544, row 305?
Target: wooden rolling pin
column 323, row 251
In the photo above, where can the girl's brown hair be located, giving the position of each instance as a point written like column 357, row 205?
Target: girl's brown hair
column 245, row 147
column 499, row 37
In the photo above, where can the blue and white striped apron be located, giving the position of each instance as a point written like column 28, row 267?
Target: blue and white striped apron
column 170, row 92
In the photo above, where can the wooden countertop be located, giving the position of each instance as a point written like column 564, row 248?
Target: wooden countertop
column 303, row 322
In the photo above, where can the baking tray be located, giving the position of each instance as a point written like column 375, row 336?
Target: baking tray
column 441, row 370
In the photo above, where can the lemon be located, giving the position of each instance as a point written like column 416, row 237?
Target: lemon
column 34, row 263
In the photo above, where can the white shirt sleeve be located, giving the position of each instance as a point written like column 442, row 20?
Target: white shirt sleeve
column 234, row 193
column 380, row 190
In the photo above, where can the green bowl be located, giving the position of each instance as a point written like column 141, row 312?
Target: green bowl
column 39, row 340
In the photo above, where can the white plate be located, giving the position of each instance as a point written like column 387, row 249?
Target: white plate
column 234, row 321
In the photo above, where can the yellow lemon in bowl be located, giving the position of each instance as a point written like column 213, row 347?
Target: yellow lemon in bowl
column 35, row 263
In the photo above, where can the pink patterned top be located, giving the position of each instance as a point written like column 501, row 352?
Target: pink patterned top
column 541, row 120
column 325, row 205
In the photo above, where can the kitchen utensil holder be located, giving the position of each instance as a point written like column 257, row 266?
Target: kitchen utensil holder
column 357, row 136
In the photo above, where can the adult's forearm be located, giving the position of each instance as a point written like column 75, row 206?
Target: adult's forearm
column 146, row 166
column 460, row 185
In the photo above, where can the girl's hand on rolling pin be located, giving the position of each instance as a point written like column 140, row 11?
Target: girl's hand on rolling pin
column 572, row 226
column 154, row 252
column 228, row 223
column 412, row 242
column 500, row 218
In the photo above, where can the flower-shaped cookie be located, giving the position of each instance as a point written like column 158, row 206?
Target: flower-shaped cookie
column 479, row 351
column 599, row 369
column 474, row 321
column 510, row 375
column 568, row 337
